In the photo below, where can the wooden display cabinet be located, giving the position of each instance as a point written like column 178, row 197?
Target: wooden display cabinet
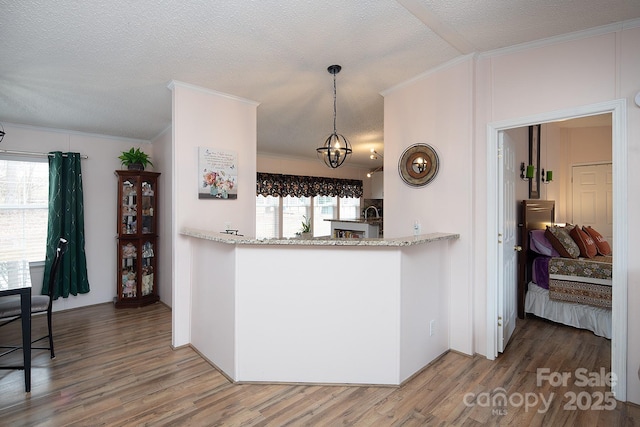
column 137, row 238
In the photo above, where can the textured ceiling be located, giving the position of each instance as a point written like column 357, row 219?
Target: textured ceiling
column 104, row 66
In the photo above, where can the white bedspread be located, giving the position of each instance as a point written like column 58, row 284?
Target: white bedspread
column 594, row 319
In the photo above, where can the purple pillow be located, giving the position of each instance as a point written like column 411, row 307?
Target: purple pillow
column 540, row 244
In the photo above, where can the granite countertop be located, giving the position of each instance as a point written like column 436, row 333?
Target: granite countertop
column 217, row 236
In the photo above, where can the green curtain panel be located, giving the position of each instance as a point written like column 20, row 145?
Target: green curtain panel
column 66, row 219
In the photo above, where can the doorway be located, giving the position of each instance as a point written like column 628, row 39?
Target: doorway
column 617, row 109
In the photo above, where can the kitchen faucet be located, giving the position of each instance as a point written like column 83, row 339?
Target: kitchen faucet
column 367, row 210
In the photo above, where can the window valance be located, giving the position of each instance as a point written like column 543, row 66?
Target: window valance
column 271, row 184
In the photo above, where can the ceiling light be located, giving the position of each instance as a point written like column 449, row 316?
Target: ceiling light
column 374, row 155
column 336, row 148
column 371, row 172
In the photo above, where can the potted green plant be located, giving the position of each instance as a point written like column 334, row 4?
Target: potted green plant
column 305, row 230
column 135, row 159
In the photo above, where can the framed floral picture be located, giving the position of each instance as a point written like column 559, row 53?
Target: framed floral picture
column 217, row 174
column 534, row 159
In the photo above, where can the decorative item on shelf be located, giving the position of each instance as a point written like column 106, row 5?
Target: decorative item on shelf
column 547, row 177
column 526, row 172
column 2, row 132
column 336, row 148
column 418, row 165
column 135, row 159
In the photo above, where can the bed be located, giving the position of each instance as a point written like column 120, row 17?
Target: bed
column 563, row 275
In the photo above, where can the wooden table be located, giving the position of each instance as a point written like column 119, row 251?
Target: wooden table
column 16, row 280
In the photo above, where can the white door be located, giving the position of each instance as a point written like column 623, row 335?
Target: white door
column 508, row 250
column 593, row 198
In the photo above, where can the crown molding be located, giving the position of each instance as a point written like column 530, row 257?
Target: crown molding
column 576, row 35
column 175, row 83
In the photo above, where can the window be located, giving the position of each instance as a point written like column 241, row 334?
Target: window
column 349, row 208
column 293, row 211
column 284, row 202
column 24, row 192
column 281, row 217
column 267, row 217
column 324, row 207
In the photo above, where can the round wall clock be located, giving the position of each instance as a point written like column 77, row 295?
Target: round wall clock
column 418, row 165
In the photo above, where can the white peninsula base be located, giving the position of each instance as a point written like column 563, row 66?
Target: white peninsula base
column 319, row 311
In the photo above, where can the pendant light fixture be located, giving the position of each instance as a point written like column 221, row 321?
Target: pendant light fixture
column 336, row 148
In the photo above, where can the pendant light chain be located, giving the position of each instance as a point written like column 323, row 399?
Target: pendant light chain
column 334, row 103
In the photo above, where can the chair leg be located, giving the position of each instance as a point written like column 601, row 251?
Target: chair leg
column 53, row 355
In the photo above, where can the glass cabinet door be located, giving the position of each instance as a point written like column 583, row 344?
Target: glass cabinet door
column 137, row 269
column 129, row 206
column 148, row 267
column 129, row 270
column 148, row 204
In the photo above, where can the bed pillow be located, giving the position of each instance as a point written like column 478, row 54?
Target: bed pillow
column 601, row 243
column 540, row 244
column 562, row 241
column 587, row 245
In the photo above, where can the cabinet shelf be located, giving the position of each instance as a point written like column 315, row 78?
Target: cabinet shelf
column 353, row 230
column 348, row 234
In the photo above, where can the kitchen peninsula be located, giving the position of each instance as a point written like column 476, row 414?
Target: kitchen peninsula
column 347, row 311
column 355, row 228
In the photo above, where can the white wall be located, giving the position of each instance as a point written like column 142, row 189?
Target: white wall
column 376, row 184
column 507, row 85
column 438, row 110
column 162, row 163
column 100, row 205
column 561, row 147
column 566, row 147
column 628, row 86
column 205, row 118
column 549, row 78
column 519, row 139
column 425, row 305
column 554, row 156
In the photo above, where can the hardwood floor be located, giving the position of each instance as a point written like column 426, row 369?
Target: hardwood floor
column 116, row 368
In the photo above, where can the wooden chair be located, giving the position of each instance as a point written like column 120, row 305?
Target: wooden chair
column 10, row 306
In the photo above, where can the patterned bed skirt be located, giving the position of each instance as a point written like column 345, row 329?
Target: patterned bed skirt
column 583, row 281
column 580, row 292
